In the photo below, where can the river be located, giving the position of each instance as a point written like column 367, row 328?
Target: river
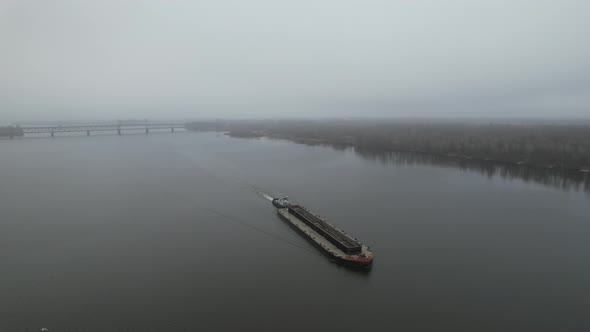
column 170, row 232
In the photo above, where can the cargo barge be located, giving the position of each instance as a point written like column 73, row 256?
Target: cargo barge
column 332, row 241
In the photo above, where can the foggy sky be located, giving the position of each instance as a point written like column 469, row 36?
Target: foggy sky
column 116, row 59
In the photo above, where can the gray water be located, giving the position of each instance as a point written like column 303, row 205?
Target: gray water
column 170, row 232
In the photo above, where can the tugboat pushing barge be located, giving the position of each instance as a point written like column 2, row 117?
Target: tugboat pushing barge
column 339, row 246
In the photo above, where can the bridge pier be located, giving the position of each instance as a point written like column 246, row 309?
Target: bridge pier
column 172, row 129
column 119, row 131
column 87, row 132
column 52, row 134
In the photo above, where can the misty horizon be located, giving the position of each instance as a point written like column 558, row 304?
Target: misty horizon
column 562, row 121
column 67, row 60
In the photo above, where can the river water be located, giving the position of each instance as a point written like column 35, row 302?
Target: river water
column 171, row 232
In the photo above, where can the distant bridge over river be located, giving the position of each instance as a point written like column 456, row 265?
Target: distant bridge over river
column 89, row 128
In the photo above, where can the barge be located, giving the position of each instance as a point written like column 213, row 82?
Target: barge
column 332, row 241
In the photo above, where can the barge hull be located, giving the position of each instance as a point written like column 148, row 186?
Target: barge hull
column 363, row 260
column 328, row 231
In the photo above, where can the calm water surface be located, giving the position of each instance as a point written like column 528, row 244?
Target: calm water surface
column 167, row 232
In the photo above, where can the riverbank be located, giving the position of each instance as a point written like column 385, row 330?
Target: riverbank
column 555, row 147
column 315, row 141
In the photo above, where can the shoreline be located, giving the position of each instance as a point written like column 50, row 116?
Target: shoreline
column 318, row 141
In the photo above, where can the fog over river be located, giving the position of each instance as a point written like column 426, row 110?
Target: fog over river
column 171, row 232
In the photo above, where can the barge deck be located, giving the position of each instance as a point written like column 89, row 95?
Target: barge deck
column 332, row 241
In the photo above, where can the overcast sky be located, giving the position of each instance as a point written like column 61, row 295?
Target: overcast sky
column 116, row 59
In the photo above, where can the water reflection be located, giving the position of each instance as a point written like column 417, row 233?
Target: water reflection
column 565, row 180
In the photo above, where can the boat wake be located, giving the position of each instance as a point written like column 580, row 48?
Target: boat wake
column 266, row 196
column 262, row 194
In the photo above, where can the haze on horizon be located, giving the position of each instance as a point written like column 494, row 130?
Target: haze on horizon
column 89, row 60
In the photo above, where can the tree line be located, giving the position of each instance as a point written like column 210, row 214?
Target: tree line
column 550, row 146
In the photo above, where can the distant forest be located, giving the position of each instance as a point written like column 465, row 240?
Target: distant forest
column 543, row 145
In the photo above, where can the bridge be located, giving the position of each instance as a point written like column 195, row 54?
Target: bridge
column 118, row 128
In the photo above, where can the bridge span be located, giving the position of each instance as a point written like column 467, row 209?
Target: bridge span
column 88, row 128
